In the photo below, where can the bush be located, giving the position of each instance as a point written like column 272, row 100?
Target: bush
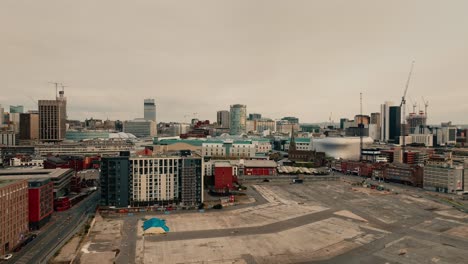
column 218, row 206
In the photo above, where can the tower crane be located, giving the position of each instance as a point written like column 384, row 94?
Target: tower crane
column 56, row 87
column 426, row 104
column 415, row 104
column 403, row 106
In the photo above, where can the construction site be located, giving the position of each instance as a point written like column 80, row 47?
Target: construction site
column 324, row 222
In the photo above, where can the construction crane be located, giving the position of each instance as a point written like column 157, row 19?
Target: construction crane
column 361, row 128
column 403, row 107
column 56, row 87
column 415, row 104
column 426, row 104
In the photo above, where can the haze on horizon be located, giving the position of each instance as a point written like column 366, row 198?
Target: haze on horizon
column 280, row 58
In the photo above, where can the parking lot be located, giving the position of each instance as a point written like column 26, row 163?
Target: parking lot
column 324, row 222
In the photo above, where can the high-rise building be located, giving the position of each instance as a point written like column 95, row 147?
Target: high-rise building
column 291, row 119
column 238, row 119
column 342, row 122
column 416, row 123
column 2, row 115
column 166, row 179
column 149, row 110
column 14, row 213
column 115, row 181
column 375, row 119
column 16, row 109
column 222, row 118
column 140, row 128
column 394, row 124
column 385, row 121
column 52, row 118
column 255, row 116
column 29, row 129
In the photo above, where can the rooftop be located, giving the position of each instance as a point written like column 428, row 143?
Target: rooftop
column 4, row 183
column 27, row 173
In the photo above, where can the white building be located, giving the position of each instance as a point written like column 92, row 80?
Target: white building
column 154, row 178
column 229, row 148
column 171, row 178
column 426, row 139
column 140, row 128
column 15, row 162
column 444, row 178
column 447, row 135
column 8, row 138
column 385, row 121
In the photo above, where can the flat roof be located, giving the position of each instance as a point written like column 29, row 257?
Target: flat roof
column 260, row 163
column 27, row 173
column 4, row 183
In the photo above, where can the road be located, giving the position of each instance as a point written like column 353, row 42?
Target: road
column 50, row 236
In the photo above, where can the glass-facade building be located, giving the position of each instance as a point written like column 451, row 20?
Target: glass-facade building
column 238, row 119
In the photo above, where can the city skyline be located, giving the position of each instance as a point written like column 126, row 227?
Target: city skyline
column 307, row 59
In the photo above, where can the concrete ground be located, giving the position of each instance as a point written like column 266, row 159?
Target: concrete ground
column 322, row 222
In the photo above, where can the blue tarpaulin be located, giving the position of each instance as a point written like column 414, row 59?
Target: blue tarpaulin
column 155, row 222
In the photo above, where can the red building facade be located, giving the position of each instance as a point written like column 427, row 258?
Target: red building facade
column 41, row 202
column 223, row 177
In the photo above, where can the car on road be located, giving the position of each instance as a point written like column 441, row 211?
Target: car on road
column 7, row 257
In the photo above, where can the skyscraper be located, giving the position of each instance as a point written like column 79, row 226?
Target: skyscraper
column 52, row 118
column 149, row 110
column 394, row 128
column 2, row 118
column 238, row 119
column 385, row 121
column 222, row 118
column 29, row 129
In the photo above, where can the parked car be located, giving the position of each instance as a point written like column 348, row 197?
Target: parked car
column 7, row 256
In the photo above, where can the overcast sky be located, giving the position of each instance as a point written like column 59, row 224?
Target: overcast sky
column 280, row 58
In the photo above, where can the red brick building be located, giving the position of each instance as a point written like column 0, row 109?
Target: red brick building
column 41, row 202
column 13, row 213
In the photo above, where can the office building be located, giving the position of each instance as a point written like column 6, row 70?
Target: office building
column 8, row 138
column 443, row 178
column 285, row 126
column 14, row 213
column 222, row 119
column 264, row 124
column 2, row 115
column 291, row 119
column 140, row 128
column 394, row 123
column 41, row 202
column 115, row 181
column 52, row 118
column 385, row 121
column 255, row 116
column 238, row 119
column 16, row 109
column 150, row 110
